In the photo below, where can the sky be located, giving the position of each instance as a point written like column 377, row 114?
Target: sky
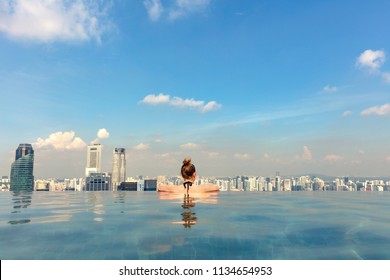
column 242, row 87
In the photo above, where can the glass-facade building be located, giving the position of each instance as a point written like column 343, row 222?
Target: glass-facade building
column 118, row 167
column 22, row 177
column 98, row 182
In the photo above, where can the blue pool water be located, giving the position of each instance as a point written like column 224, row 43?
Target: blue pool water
column 228, row 225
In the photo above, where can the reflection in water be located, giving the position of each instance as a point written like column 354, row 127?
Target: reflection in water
column 21, row 199
column 188, row 217
column 120, row 197
column 95, row 199
column 22, row 221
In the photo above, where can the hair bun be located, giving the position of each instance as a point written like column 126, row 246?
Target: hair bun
column 186, row 161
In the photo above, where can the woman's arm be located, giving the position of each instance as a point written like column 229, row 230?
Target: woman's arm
column 170, row 188
column 206, row 188
column 193, row 188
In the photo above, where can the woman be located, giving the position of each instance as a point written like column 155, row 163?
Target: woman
column 188, row 172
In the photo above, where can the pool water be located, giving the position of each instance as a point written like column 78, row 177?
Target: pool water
column 228, row 225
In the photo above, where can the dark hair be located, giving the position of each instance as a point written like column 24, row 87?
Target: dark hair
column 188, row 169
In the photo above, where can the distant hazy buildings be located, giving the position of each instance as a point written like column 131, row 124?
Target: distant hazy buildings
column 22, row 177
column 118, row 167
column 94, row 159
column 42, row 185
column 287, row 185
column 4, row 183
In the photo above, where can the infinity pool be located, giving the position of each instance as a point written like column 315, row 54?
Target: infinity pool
column 228, row 225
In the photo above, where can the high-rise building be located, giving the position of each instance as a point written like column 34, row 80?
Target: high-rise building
column 118, row 167
column 94, row 158
column 277, row 183
column 98, row 182
column 22, row 177
column 287, row 185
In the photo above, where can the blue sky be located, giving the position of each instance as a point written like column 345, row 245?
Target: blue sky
column 243, row 87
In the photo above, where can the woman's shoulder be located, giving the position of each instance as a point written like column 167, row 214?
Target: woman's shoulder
column 193, row 188
column 170, row 188
column 204, row 188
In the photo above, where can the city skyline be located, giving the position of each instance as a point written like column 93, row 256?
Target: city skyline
column 242, row 87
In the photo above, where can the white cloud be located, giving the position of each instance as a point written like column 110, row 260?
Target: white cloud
column 211, row 155
column 154, row 9
column 180, row 102
column 165, row 155
column 388, row 158
column 141, row 147
column 347, row 113
column 175, row 101
column 103, row 133
column 307, row 155
column 156, row 99
column 190, row 146
column 386, row 77
column 185, row 7
column 371, row 59
column 177, row 9
column 333, row 158
column 243, row 156
column 49, row 21
column 329, row 89
column 377, row 110
column 168, row 155
column 211, row 106
column 61, row 141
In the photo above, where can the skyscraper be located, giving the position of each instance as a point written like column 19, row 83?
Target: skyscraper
column 22, row 177
column 118, row 167
column 94, row 158
column 277, row 183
